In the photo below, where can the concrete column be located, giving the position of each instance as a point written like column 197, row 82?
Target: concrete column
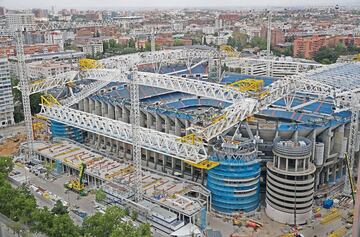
column 158, row 122
column 147, row 157
column 124, row 116
column 142, row 119
column 182, row 166
column 118, row 112
column 91, row 106
column 81, row 105
column 339, row 138
column 148, row 119
column 334, row 172
column 111, row 111
column 97, row 107
column 172, row 164
column 164, row 162
column 167, row 124
column 104, row 109
column 86, row 105
column 127, row 114
column 156, row 159
column 177, row 127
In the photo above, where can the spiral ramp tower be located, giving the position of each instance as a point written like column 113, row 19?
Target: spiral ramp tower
column 235, row 183
column 290, row 181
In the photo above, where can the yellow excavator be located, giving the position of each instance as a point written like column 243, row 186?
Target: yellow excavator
column 77, row 185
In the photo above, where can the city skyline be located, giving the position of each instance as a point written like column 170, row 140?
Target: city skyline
column 139, row 4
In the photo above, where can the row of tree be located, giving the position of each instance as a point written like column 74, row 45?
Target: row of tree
column 20, row 206
column 328, row 55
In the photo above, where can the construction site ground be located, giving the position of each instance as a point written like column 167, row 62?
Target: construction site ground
column 11, row 138
column 273, row 229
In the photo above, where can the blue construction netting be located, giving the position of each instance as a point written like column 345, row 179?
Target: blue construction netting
column 234, row 185
column 62, row 130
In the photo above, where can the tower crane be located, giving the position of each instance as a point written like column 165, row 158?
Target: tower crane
column 16, row 30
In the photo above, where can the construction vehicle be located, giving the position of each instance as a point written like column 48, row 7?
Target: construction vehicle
column 77, row 185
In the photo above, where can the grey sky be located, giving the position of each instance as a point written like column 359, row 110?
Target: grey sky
column 116, row 4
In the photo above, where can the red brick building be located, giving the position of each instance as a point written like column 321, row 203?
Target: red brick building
column 30, row 49
column 277, row 36
column 307, row 47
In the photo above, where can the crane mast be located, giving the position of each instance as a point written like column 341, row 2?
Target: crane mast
column 135, row 121
column 25, row 93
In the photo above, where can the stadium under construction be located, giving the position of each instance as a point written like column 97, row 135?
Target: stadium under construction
column 300, row 138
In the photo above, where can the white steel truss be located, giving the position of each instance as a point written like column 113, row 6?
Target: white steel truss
column 248, row 106
column 129, row 60
column 52, row 82
column 85, row 92
column 169, row 82
column 149, row 139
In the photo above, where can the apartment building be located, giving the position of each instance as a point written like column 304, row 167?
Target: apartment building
column 6, row 98
column 19, row 19
column 48, row 68
column 307, row 47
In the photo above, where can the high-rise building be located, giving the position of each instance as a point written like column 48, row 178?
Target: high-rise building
column 20, row 19
column 6, row 98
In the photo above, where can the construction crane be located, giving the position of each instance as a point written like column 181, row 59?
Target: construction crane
column 349, row 174
column 77, row 185
column 116, row 69
column 16, row 30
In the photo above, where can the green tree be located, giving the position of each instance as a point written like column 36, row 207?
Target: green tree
column 59, row 208
column 42, row 221
column 178, row 42
column 100, row 195
column 63, row 226
column 238, row 40
column 6, row 165
column 131, row 43
column 17, row 228
column 326, row 55
column 134, row 216
column 258, row 42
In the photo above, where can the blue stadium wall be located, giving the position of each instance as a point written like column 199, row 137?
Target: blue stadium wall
column 65, row 131
column 234, row 185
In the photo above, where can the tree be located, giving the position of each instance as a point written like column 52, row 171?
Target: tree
column 134, row 216
column 63, row 226
column 6, row 166
column 131, row 43
column 258, row 42
column 59, row 208
column 238, row 40
column 100, row 195
column 178, row 42
column 326, row 55
column 17, row 227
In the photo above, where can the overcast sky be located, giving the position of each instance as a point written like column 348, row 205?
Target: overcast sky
column 116, row 4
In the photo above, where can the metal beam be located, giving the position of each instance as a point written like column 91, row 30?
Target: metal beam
column 149, row 139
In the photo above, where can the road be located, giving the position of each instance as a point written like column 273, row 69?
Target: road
column 56, row 187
